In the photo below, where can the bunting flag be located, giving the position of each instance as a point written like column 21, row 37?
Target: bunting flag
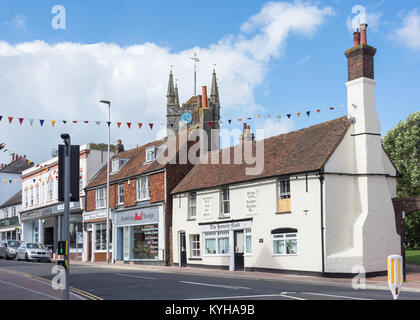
column 20, row 121
column 31, row 121
column 41, row 122
column 53, row 122
column 129, row 125
column 298, row 114
column 98, row 123
column 1, row 117
column 140, row 125
column 118, row 124
column 240, row 119
column 74, row 121
column 308, row 113
column 64, row 121
column 332, row 108
column 109, row 123
column 86, row 121
column 318, row 111
column 289, row 115
column 10, row 119
column 151, row 126
column 229, row 121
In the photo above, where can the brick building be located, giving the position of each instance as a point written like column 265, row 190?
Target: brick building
column 140, row 202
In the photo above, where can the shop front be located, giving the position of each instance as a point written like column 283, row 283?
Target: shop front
column 43, row 226
column 94, row 236
column 227, row 242
column 139, row 235
column 10, row 229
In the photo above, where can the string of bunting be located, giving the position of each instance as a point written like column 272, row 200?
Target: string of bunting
column 152, row 124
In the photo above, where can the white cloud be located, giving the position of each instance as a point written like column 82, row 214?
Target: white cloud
column 409, row 34
column 304, row 60
column 19, row 21
column 66, row 80
column 372, row 19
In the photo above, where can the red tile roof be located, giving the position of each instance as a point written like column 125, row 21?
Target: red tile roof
column 295, row 152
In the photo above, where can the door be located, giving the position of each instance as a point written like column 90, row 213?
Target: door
column 183, row 249
column 49, row 237
column 89, row 245
column 239, row 250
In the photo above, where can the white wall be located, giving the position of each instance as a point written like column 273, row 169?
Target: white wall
column 7, row 190
column 264, row 220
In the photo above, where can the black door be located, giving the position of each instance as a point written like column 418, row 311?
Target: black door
column 183, row 249
column 239, row 250
column 49, row 237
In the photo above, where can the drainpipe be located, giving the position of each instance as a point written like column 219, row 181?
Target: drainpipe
column 321, row 181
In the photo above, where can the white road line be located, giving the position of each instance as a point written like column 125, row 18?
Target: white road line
column 34, row 291
column 215, row 285
column 237, row 297
column 129, row 275
column 334, row 296
column 290, row 297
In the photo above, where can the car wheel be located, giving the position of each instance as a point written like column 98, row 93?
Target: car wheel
column 6, row 256
column 17, row 256
column 26, row 257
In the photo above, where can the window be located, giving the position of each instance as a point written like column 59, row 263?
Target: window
column 225, row 201
column 143, row 186
column 100, row 198
column 50, row 189
column 151, row 154
column 195, row 245
column 100, row 239
column 285, row 244
column 26, row 198
column 120, row 193
column 32, row 197
column 37, row 195
column 115, row 165
column 284, row 189
column 216, row 242
column 6, row 213
column 193, row 205
column 248, row 241
column 13, row 212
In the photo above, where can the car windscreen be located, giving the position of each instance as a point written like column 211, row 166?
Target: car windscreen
column 32, row 246
column 13, row 243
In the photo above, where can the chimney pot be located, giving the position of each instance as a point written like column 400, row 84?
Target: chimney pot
column 356, row 38
column 363, row 37
column 204, row 97
column 119, row 147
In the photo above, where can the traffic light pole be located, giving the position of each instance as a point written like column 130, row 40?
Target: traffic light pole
column 66, row 220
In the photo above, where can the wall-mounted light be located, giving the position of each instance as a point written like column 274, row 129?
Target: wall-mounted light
column 305, row 211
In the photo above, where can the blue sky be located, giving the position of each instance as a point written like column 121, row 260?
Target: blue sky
column 305, row 69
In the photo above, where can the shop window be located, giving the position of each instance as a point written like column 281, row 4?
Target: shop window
column 120, row 193
column 284, row 243
column 248, row 241
column 195, row 245
column 225, row 201
column 100, row 237
column 143, row 242
column 193, row 205
column 100, row 195
column 216, row 242
column 283, row 204
column 143, row 187
column 76, row 235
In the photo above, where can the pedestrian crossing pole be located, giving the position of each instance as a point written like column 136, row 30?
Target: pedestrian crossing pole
column 66, row 233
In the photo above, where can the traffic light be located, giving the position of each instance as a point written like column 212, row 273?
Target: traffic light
column 74, row 172
column 62, row 248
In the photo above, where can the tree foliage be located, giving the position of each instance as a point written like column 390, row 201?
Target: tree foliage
column 403, row 145
column 102, row 146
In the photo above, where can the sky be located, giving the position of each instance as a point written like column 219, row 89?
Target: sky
column 271, row 58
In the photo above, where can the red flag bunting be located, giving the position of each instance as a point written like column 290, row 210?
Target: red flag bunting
column 151, row 126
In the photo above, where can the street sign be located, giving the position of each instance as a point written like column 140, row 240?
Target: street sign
column 395, row 276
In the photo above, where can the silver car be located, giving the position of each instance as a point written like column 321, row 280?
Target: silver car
column 31, row 251
column 8, row 248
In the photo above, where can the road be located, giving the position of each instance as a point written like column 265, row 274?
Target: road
column 97, row 283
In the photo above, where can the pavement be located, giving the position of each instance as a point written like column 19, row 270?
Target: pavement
column 412, row 283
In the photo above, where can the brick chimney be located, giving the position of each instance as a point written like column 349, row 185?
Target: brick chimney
column 204, row 102
column 247, row 134
column 119, row 147
column 13, row 157
column 360, row 57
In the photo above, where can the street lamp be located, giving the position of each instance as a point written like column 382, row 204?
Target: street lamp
column 107, row 179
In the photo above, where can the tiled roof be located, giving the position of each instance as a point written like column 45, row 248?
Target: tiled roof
column 295, row 152
column 14, row 200
column 16, row 166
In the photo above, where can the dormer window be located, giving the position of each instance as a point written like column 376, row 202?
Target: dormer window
column 151, row 154
column 117, row 164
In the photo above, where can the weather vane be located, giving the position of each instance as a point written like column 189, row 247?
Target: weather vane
column 195, row 59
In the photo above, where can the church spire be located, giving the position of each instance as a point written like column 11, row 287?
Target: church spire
column 176, row 94
column 171, row 95
column 214, row 94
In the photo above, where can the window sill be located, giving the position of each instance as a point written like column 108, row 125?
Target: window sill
column 284, row 255
column 195, row 259
column 283, row 212
column 224, row 217
column 191, row 219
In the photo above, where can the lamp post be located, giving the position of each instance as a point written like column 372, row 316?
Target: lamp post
column 107, row 180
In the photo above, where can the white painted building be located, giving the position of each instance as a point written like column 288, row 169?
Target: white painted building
column 321, row 205
column 42, row 212
column 9, row 217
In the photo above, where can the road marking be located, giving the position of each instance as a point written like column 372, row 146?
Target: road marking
column 334, row 296
column 215, row 285
column 248, row 297
column 129, row 275
column 27, row 289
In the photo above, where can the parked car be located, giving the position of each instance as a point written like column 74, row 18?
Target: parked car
column 31, row 251
column 8, row 248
